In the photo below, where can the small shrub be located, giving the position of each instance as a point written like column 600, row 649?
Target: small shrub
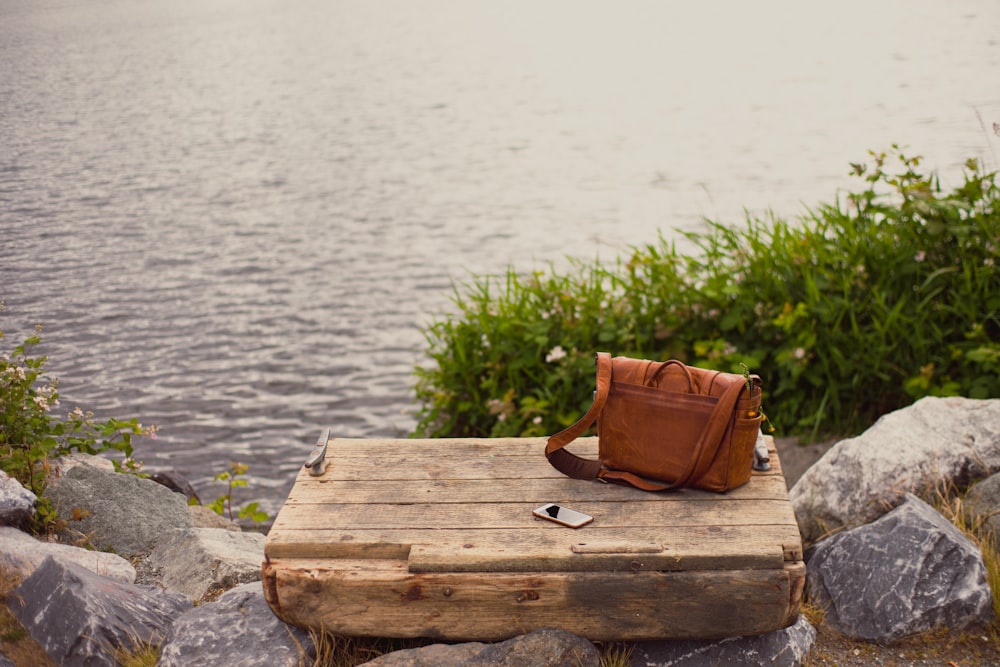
column 31, row 435
column 887, row 295
column 223, row 505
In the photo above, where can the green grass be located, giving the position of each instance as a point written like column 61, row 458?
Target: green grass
column 858, row 308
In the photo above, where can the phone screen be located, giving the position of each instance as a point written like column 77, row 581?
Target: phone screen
column 562, row 515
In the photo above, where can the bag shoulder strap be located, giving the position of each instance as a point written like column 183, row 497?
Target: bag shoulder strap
column 577, row 467
column 566, row 462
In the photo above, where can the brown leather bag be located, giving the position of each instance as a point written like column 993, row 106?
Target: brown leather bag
column 665, row 421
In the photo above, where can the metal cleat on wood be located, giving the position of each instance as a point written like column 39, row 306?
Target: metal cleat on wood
column 316, row 463
column 761, row 459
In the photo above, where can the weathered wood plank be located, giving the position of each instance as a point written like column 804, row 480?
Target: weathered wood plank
column 514, row 515
column 450, row 447
column 359, row 599
column 495, row 458
column 631, row 557
column 323, row 491
column 697, row 547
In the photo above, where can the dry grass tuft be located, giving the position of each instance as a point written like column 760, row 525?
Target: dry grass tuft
column 140, row 653
column 951, row 502
column 616, row 655
column 337, row 651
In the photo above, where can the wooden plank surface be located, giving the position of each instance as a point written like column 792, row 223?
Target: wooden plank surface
column 435, row 538
column 465, row 505
column 699, row 547
column 376, row 598
column 451, row 458
column 457, row 490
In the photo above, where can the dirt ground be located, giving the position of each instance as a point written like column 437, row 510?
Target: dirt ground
column 970, row 649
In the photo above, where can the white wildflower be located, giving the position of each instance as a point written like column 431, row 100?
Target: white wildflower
column 556, row 354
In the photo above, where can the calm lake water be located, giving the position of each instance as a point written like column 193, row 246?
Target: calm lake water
column 233, row 217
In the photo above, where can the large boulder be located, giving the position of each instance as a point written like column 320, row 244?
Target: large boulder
column 933, row 441
column 237, row 629
column 121, row 512
column 197, row 561
column 21, row 554
column 17, row 503
column 908, row 572
column 80, row 618
column 547, row 647
column 783, row 648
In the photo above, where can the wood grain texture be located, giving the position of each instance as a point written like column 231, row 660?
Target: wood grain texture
column 362, row 548
column 371, row 598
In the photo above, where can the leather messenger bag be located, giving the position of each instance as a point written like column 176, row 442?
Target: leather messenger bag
column 665, row 425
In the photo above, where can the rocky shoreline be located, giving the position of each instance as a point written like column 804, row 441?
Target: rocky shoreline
column 884, row 564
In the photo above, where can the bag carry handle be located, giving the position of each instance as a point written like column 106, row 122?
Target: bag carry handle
column 577, row 467
column 684, row 369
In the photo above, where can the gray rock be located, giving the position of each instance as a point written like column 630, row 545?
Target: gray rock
column 429, row 656
column 197, row 561
column 5, row 661
column 110, row 510
column 237, row 629
column 955, row 440
column 982, row 505
column 64, row 464
column 783, row 648
column 177, row 483
column 203, row 517
column 17, row 503
column 547, row 647
column 909, row 572
column 21, row 554
column 79, row 617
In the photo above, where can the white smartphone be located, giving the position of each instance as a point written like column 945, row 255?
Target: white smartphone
column 562, row 515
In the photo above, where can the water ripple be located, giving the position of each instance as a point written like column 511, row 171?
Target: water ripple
column 233, row 216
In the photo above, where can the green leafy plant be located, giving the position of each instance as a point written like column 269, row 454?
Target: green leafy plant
column 223, row 505
column 886, row 295
column 31, row 435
